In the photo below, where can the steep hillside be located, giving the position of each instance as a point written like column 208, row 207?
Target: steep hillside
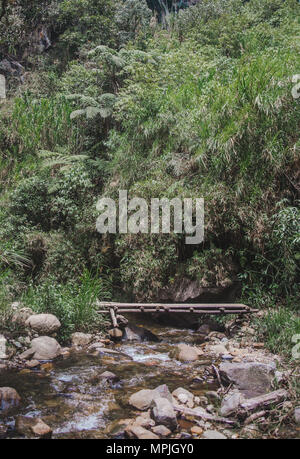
column 102, row 96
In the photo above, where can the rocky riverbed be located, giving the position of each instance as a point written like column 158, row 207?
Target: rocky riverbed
column 162, row 383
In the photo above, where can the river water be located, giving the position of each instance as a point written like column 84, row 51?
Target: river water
column 70, row 396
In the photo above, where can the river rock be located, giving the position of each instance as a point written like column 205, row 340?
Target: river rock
column 43, row 324
column 9, row 399
column 163, row 413
column 115, row 333
column 42, row 348
column 32, row 364
column 163, row 391
column 142, row 399
column 186, row 353
column 108, row 376
column 218, row 349
column 231, row 402
column 134, row 431
column 81, row 339
column 251, row 378
column 144, row 420
column 134, row 333
column 122, row 321
column 3, row 354
column 297, row 415
column 30, row 427
column 196, row 430
column 213, row 435
column 161, row 431
column 184, row 397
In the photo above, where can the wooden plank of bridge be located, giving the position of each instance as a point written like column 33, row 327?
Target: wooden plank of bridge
column 221, row 308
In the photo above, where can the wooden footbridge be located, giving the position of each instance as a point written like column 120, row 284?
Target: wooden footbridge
column 201, row 308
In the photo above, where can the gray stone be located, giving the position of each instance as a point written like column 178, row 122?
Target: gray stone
column 163, row 413
column 218, row 349
column 81, row 339
column 163, row 391
column 231, row 402
column 43, row 324
column 144, row 420
column 43, row 348
column 186, row 353
column 251, row 378
column 297, row 415
column 135, row 431
column 162, row 431
column 141, row 399
column 213, row 435
column 184, row 397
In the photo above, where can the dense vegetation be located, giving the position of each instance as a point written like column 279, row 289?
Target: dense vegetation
column 197, row 105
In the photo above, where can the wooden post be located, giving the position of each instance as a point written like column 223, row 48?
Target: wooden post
column 113, row 318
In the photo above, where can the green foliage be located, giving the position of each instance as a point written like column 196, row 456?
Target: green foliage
column 132, row 20
column 43, row 123
column 199, row 105
column 278, row 328
column 141, row 270
column 81, row 21
column 103, row 106
column 73, row 303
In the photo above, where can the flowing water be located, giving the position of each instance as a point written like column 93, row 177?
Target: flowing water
column 71, row 397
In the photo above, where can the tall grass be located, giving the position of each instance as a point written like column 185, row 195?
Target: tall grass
column 42, row 124
column 73, row 303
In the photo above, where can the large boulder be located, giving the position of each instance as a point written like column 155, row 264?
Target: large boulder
column 184, row 289
column 43, row 324
column 9, row 399
column 81, row 339
column 42, row 348
column 163, row 413
column 251, row 378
